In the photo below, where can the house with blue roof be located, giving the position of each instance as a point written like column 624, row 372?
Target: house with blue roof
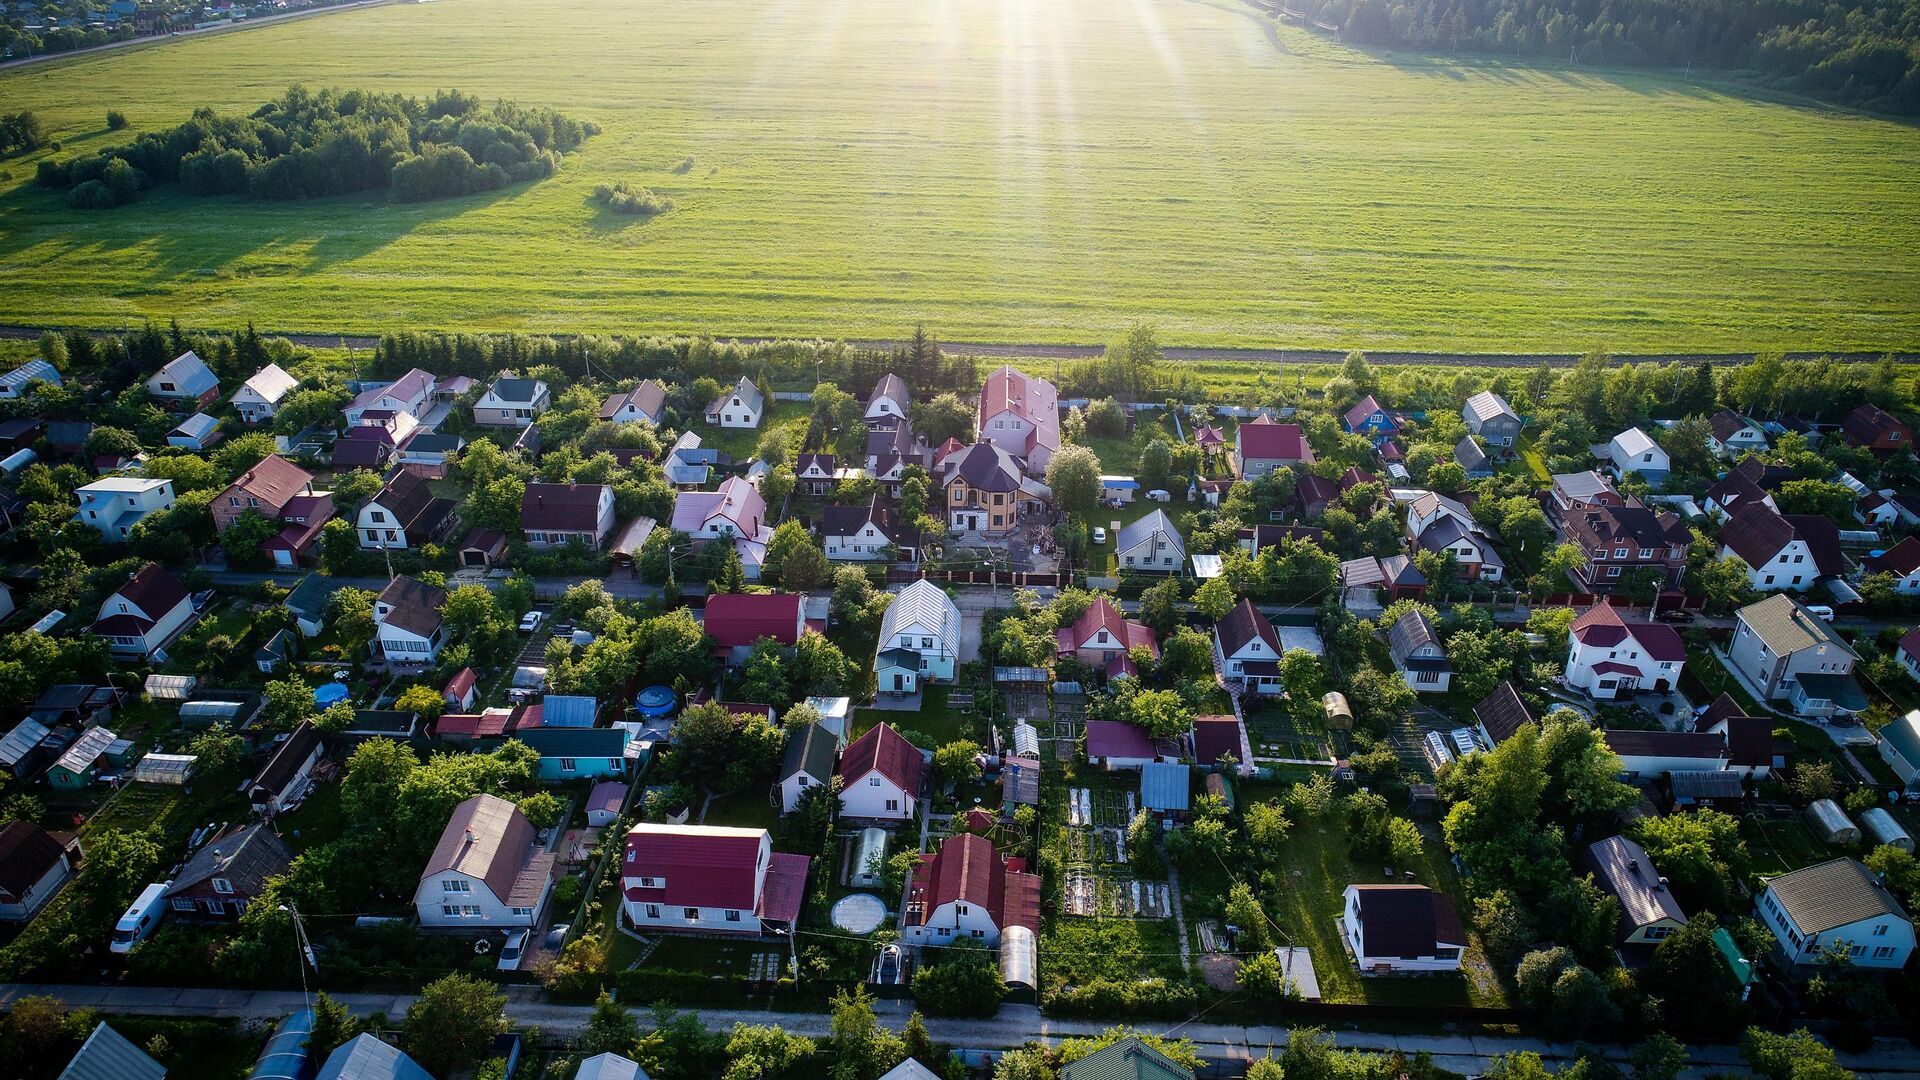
column 569, row 711
column 1165, row 787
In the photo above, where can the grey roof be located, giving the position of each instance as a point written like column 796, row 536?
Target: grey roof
column 367, row 1058
column 614, row 1067
column 1786, row 626
column 1410, row 632
column 311, row 595
column 810, row 750
column 1128, row 1059
column 415, row 605
column 1487, row 405
column 31, row 371
column 1469, row 455
column 107, row 1055
column 1164, row 785
column 1842, row 690
column 569, row 710
column 246, row 855
column 1832, row 894
column 1142, row 529
column 516, row 389
column 1627, row 873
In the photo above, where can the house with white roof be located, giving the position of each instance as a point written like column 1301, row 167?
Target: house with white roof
column 1150, row 543
column 742, row 406
column 512, row 402
column 412, row 393
column 185, row 380
column 1634, row 451
column 919, row 639
column 114, row 505
column 260, row 396
column 13, row 385
column 1020, row 413
column 489, row 870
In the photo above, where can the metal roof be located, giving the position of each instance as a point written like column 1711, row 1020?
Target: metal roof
column 1164, row 786
column 107, row 1055
column 1832, row 894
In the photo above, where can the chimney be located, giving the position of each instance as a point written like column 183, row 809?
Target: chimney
column 470, row 836
column 1661, row 886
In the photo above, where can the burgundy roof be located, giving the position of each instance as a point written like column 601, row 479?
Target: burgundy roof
column 1910, row 641
column 1243, row 624
column 1102, row 614
column 1899, row 560
column 702, row 866
column 887, row 752
column 1361, row 410
column 1756, row 533
column 785, row 888
column 1686, row 744
column 1214, row 736
column 1601, row 627
column 567, row 507
column 1868, row 422
column 1354, row 477
column 1262, row 438
column 153, row 590
column 740, row 619
column 1114, row 739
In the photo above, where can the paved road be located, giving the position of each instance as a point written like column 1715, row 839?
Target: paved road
column 162, row 39
column 1038, row 350
column 1014, row 1025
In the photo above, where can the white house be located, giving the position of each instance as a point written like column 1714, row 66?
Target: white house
column 555, row 515
column 1782, row 551
column 403, row 514
column 33, row 867
column 891, row 400
column 1645, row 755
column 1901, row 562
column 1838, row 904
column 406, row 617
column 113, row 506
column 512, row 402
column 1609, row 657
column 1248, row 650
column 1788, row 653
column 866, row 533
column 1150, row 542
column 259, row 398
column 1634, row 451
column 924, row 623
column 644, row 404
column 1900, row 747
column 709, row 879
column 489, row 871
column 964, row 890
column 1731, row 435
column 185, row 378
column 740, row 407
column 288, row 772
column 1398, row 929
column 1418, row 655
column 807, row 763
column 14, row 383
column 411, row 394
column 881, row 774
column 1020, row 413
column 140, row 618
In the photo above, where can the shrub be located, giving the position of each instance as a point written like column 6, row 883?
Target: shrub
column 116, row 120
column 624, row 198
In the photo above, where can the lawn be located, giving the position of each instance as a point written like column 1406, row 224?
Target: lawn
column 1042, row 172
column 933, row 725
column 747, row 809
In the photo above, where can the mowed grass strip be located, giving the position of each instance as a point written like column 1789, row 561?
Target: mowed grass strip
column 1043, row 172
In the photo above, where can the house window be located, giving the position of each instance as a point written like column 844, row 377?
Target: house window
column 873, row 781
column 653, row 911
column 1883, row 952
column 1880, row 931
column 566, row 764
column 182, row 903
column 979, row 933
column 471, row 911
column 649, row 883
column 960, row 909
column 692, row 914
column 1427, row 677
column 893, row 804
column 1658, row 933
column 215, row 907
column 733, row 915
column 222, row 886
column 456, row 886
column 523, row 911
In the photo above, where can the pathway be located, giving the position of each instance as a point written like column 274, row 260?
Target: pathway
column 1179, row 914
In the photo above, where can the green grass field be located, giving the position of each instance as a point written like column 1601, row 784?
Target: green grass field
column 1025, row 172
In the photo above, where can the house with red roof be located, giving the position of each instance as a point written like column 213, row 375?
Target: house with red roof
column 1215, row 737
column 1101, row 638
column 1247, row 649
column 1908, row 652
column 1876, row 429
column 881, row 775
column 1610, row 658
column 965, row 890
column 738, row 621
column 1020, row 413
column 709, row 879
column 139, row 619
column 1115, row 745
column 1902, row 561
column 459, row 692
column 1261, row 446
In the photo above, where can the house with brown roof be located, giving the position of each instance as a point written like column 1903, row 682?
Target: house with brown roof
column 228, row 873
column 709, row 879
column 814, row 473
column 1876, row 429
column 644, row 404
column 1902, row 562
column 404, row 514
column 966, row 890
column 1645, row 755
column 870, row 532
column 407, row 624
column 1649, row 914
column 1749, row 738
column 555, row 515
column 1610, row 658
column 279, row 491
column 1751, row 482
column 1418, row 655
column 1368, row 417
column 1500, row 715
column 488, row 872
column 1731, row 435
column 1400, row 929
column 141, row 618
column 285, row 777
column 1247, row 649
column 1101, row 638
column 881, row 775
column 1783, row 552
column 986, row 492
column 34, row 866
column 1625, row 541
column 1020, row 414
column 1260, row 446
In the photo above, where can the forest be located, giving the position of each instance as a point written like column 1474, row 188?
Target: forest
column 1859, row 52
column 312, row 144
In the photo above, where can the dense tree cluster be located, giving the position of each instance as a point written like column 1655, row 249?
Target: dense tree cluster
column 1863, row 52
column 311, row 144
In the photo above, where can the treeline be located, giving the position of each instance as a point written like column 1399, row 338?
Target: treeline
column 307, row 144
column 1861, row 52
column 19, row 41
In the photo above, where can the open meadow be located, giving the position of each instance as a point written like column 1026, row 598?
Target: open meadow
column 1041, row 171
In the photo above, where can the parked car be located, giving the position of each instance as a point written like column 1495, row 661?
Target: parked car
column 531, row 621
column 512, row 950
column 1820, row 611
column 1675, row 615
column 1099, row 534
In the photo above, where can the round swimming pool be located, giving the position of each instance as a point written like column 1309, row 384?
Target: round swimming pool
column 332, row 693
column 655, row 701
column 858, row 913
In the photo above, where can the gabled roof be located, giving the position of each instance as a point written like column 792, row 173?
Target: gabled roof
column 1583, row 486
column 1118, row 739
column 736, row 620
column 367, row 1058
column 1262, row 439
column 1868, row 422
column 274, row 481
column 1145, row 527
column 287, row 758
column 1832, row 894
column 1243, row 624
column 1601, row 626
column 701, row 865
column 524, row 390
column 1468, row 455
column 108, row 1055
column 189, row 374
column 413, row 385
column 1363, row 409
column 1409, row 633
column 1633, row 442
column 35, row 370
column 244, row 855
column 410, row 499
column 1128, row 1059
column 487, row 838
column 27, row 852
column 1030, row 398
column 1502, row 713
column 1726, row 424
column 415, row 605
column 893, row 388
column 887, row 752
column 311, row 595
column 967, row 868
column 1628, row 873
column 847, row 520
column 86, row 750
column 1756, row 533
column 810, row 750
column 565, row 507
column 1630, row 742
column 1487, row 405
column 922, row 603
column 1899, row 560
column 153, row 590
column 1786, row 626
column 610, row 1066
column 736, row 500
column 1406, row 920
column 649, row 398
column 1102, row 615
column 271, row 383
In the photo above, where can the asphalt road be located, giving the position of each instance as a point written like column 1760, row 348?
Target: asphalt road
column 161, row 39
column 1015, row 1025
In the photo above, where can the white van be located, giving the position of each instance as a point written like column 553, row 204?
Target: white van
column 141, row 919
column 1820, row 611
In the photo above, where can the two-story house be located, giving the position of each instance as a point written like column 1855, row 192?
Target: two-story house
column 1633, row 452
column 139, row 619
column 1490, row 417
column 813, row 473
column 1878, row 430
column 1399, row 929
column 404, row 514
column 709, row 879
column 1649, row 913
column 554, row 515
column 1838, row 904
column 1789, row 654
column 512, row 402
column 1247, row 650
column 1260, row 446
column 1437, row 523
column 1624, row 541
column 867, row 533
column 1368, row 418
column 881, row 775
column 281, row 491
column 407, row 624
column 965, row 890
column 1103, row 639
column 259, row 398
column 488, row 872
column 1751, row 482
column 805, row 764
column 1418, row 655
column 740, row 406
column 644, row 404
column 1578, row 491
column 985, row 490
column 890, row 402
column 1731, row 435
column 1609, row 657
column 1783, row 552
column 736, row 510
column 1900, row 562
column 1150, row 543
column 1020, row 414
column 738, row 621
column 114, row 505
column 185, row 382
column 919, row 639
column 412, row 393
column 228, row 873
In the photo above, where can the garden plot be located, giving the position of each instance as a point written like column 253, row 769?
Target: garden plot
column 1097, row 896
column 1099, row 880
